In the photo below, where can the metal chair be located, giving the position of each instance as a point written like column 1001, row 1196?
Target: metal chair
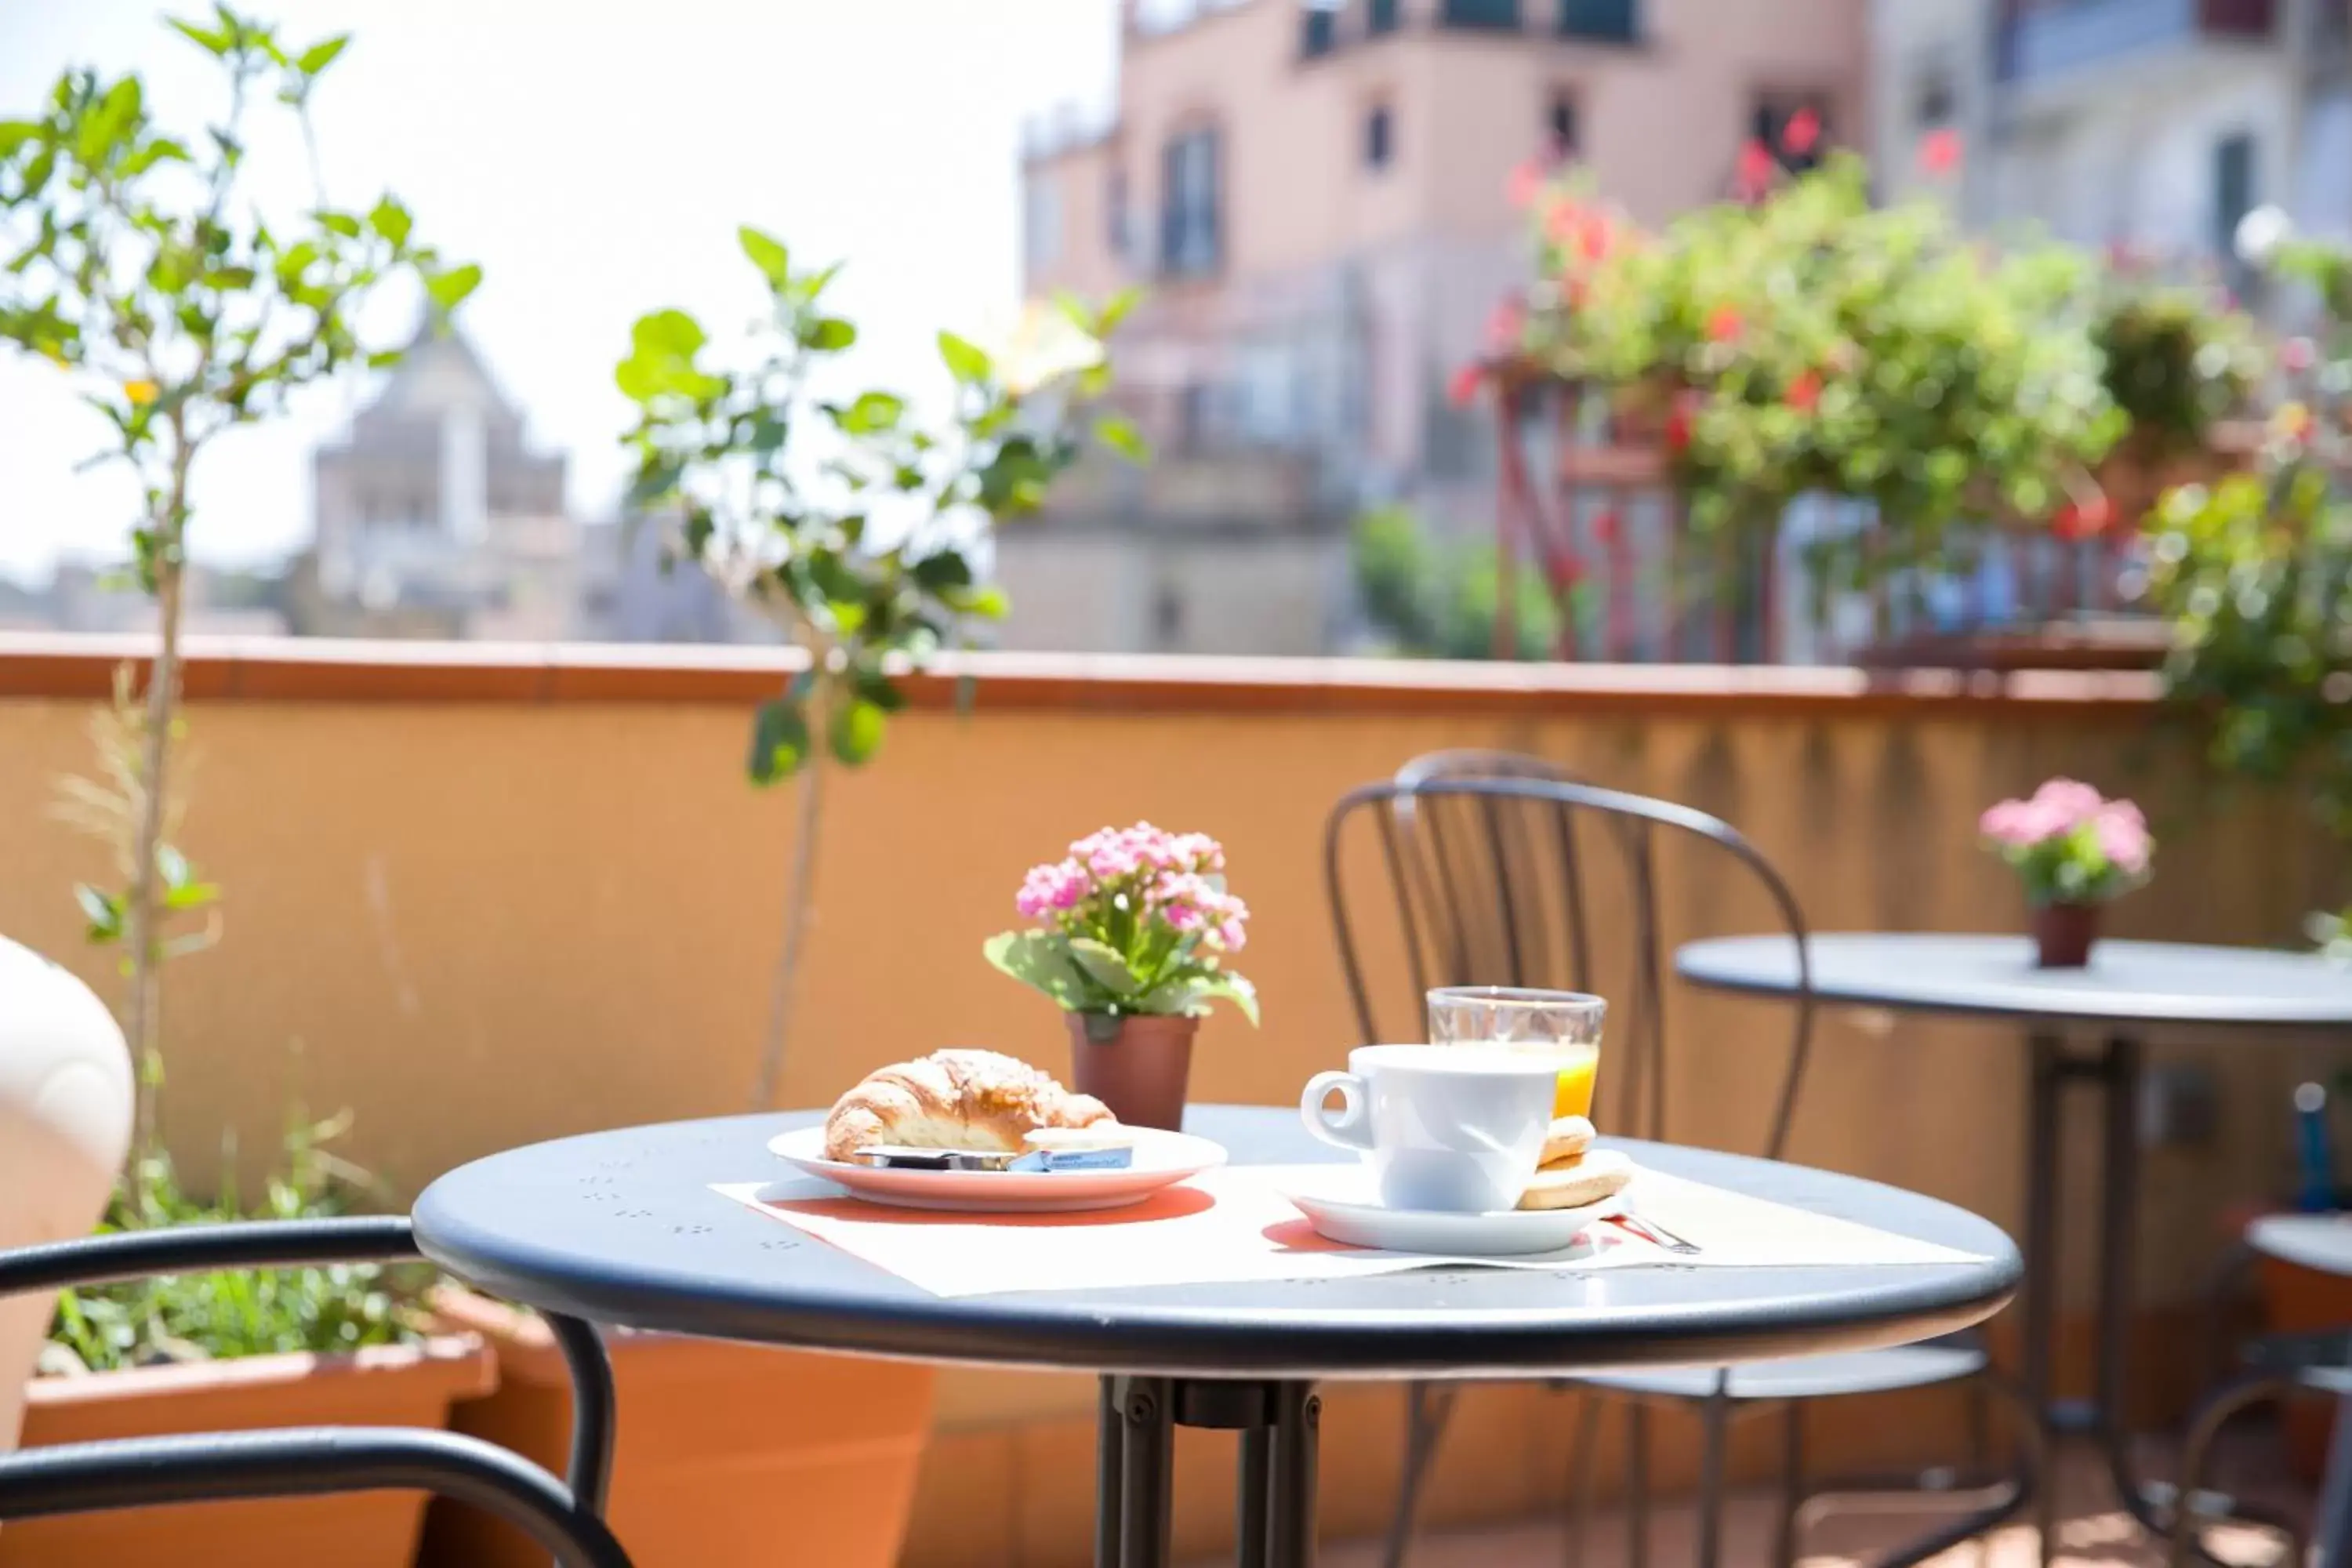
column 208, row 1467
column 2277, row 1367
column 1500, row 870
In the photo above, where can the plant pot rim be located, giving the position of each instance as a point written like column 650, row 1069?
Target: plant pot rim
column 462, row 1362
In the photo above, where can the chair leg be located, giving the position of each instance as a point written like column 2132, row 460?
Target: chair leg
column 2204, row 1428
column 1980, row 1399
column 1792, row 1482
column 1637, row 1484
column 1427, row 1408
column 1583, row 1460
column 1715, row 1440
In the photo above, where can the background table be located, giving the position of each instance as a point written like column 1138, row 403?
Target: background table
column 2242, row 991
column 622, row 1227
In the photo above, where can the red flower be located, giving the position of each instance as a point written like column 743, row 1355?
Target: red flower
column 1462, row 390
column 1565, row 568
column 2297, row 355
column 1505, row 326
column 1525, row 184
column 1596, row 237
column 1608, row 528
column 1562, row 220
column 2078, row 521
column 1939, row 152
column 1680, row 420
column 1753, row 176
column 1723, row 324
column 1802, row 134
column 1805, row 393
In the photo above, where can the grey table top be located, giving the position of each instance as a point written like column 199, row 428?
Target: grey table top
column 2125, row 982
column 621, row 1227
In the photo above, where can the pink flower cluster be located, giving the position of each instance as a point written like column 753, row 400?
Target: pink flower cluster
column 2062, row 806
column 1170, row 876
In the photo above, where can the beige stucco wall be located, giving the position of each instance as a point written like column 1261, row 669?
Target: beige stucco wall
column 476, row 923
column 480, row 896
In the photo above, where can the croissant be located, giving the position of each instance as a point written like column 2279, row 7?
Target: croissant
column 954, row 1099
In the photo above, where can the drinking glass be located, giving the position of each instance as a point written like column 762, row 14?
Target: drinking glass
column 1562, row 1024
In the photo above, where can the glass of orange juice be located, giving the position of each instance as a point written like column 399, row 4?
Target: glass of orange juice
column 1566, row 1024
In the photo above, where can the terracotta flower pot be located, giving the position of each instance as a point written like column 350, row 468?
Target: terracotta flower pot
column 1139, row 1066
column 2064, row 935
column 390, row 1385
column 728, row 1455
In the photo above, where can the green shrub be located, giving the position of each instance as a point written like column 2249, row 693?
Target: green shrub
column 342, row 1307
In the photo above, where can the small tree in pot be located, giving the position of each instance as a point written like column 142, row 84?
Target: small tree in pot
column 864, row 560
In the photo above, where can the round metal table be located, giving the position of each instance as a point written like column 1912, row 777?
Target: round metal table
column 2128, row 985
column 621, row 1227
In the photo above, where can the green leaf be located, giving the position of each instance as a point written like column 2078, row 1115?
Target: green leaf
column 967, row 361
column 320, row 54
column 343, row 224
column 830, row 334
column 1104, row 964
column 1115, row 309
column 856, row 732
column 655, row 479
column 15, row 133
column 391, row 221
column 779, row 741
column 192, row 895
column 1039, row 959
column 101, row 912
column 768, row 254
column 989, row 603
column 872, row 411
column 941, row 570
column 1120, row 435
column 448, row 290
column 873, row 686
column 211, row 40
column 669, row 331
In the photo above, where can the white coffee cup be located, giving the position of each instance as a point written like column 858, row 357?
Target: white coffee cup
column 1451, row 1128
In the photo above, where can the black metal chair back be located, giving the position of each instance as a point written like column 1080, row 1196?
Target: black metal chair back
column 1521, row 877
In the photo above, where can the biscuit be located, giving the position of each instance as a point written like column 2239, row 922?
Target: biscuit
column 1601, row 1174
column 1570, row 1137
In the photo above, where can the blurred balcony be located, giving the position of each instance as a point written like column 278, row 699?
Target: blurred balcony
column 484, row 894
column 2066, row 40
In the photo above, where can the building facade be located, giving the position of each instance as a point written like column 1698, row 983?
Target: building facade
column 1318, row 201
column 434, row 516
column 2152, row 124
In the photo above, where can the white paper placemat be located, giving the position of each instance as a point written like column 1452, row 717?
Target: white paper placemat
column 1234, row 1224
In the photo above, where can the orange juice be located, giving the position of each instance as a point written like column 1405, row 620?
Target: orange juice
column 1574, row 1097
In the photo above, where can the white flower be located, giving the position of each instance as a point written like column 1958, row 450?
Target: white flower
column 1039, row 347
column 2260, row 233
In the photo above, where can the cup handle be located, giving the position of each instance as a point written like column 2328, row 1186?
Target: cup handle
column 1345, row 1129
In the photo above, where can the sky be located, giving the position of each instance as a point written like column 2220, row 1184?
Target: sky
column 594, row 156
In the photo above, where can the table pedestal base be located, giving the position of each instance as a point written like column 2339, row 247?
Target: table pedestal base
column 2115, row 1072
column 1134, row 1495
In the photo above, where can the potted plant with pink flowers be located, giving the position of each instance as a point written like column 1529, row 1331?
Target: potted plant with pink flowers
column 1134, row 930
column 2076, row 850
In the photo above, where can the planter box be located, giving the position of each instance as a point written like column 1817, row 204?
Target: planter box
column 725, row 1454
column 392, row 1385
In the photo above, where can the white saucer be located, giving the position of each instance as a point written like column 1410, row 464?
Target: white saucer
column 1161, row 1159
column 1341, row 1203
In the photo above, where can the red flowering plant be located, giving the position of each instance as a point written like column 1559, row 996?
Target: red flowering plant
column 1800, row 340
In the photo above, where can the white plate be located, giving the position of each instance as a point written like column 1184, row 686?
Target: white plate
column 1343, row 1206
column 1161, row 1159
